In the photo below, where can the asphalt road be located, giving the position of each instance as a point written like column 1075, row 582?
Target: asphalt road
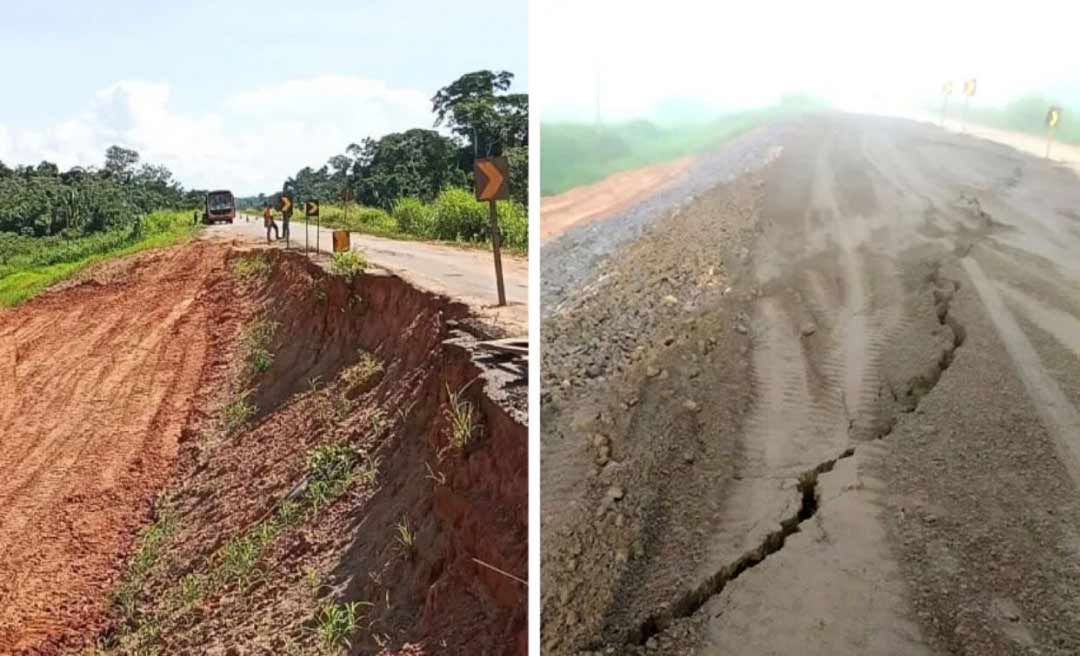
column 461, row 273
column 884, row 457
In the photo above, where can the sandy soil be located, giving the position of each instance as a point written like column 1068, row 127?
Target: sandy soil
column 99, row 379
column 828, row 407
column 602, row 199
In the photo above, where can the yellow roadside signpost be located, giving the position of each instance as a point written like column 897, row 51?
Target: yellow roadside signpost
column 286, row 215
column 311, row 209
column 490, row 180
column 1053, row 118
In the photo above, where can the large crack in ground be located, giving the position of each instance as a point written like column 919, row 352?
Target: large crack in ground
column 943, row 290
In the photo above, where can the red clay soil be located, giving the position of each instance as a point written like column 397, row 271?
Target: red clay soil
column 111, row 417
column 460, row 504
column 96, row 382
column 604, row 198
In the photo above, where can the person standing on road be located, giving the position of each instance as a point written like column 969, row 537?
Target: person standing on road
column 268, row 221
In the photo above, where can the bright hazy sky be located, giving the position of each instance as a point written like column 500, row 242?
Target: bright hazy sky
column 236, row 94
column 621, row 57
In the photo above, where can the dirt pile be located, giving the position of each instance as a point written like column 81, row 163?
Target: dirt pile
column 346, row 482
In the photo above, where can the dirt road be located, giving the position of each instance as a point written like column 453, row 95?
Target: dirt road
column 602, row 199
column 464, row 274
column 98, row 381
column 828, row 407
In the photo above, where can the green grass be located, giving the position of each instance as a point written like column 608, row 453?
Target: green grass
column 461, row 419
column 575, row 154
column 149, row 551
column 40, row 263
column 251, row 266
column 337, row 624
column 256, row 345
column 1024, row 114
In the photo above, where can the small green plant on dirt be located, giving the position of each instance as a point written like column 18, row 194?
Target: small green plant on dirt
column 237, row 559
column 348, row 263
column 365, row 367
column 193, row 588
column 256, row 343
column 146, row 555
column 330, row 471
column 338, row 624
column 313, row 582
column 289, row 513
column 250, row 267
column 406, row 538
column 461, row 418
column 237, row 413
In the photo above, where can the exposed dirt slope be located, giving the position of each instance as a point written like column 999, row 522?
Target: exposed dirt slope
column 360, row 364
column 97, row 381
column 216, row 450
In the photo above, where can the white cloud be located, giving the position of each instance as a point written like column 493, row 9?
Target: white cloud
column 251, row 143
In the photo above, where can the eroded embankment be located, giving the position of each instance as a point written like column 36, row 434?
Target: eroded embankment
column 352, row 484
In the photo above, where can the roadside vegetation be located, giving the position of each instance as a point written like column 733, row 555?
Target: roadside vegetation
column 54, row 223
column 30, row 264
column 417, row 184
column 577, row 154
column 1026, row 114
column 454, row 216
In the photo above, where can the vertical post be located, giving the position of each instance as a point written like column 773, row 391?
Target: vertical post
column 307, row 240
column 944, row 109
column 963, row 118
column 498, row 254
column 1049, row 139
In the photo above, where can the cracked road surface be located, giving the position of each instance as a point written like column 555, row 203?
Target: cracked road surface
column 827, row 407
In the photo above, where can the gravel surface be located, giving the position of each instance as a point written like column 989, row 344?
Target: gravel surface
column 827, row 406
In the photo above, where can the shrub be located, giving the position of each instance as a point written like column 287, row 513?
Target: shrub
column 514, row 225
column 348, row 263
column 414, row 216
column 459, row 216
column 373, row 217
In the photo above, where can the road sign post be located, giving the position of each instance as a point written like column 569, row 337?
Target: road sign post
column 490, row 179
column 311, row 209
column 286, row 215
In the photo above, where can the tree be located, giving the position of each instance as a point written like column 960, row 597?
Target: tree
column 416, row 162
column 120, row 161
column 473, row 108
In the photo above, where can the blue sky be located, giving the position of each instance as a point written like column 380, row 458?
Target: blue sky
column 198, row 85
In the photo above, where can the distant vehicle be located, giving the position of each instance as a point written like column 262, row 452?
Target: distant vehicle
column 220, row 206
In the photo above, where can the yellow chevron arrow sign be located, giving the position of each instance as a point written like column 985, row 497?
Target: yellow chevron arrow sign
column 1053, row 116
column 490, row 179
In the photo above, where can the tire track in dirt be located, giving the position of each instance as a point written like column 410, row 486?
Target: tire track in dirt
column 104, row 375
